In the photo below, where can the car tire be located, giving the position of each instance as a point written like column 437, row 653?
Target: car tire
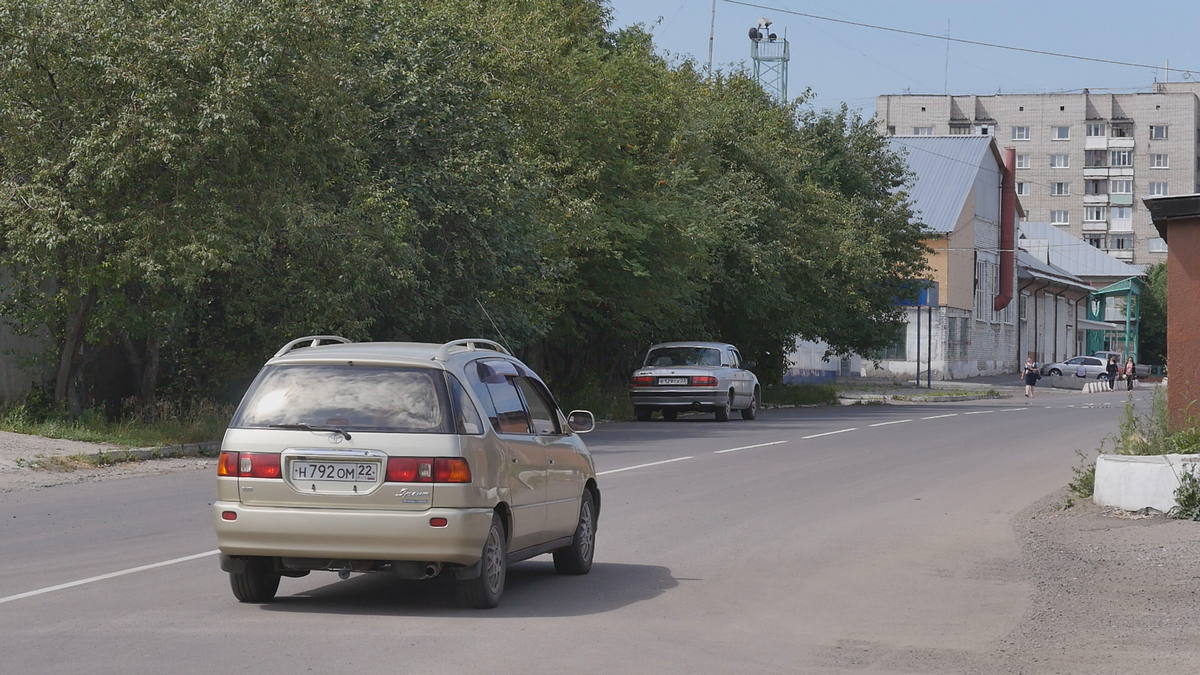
column 752, row 411
column 484, row 591
column 258, row 584
column 577, row 558
column 1056, row 371
column 670, row 414
column 642, row 413
column 723, row 412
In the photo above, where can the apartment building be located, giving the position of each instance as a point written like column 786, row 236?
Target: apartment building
column 1084, row 160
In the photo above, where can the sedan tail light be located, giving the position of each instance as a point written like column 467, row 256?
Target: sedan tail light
column 643, row 381
column 704, row 381
column 451, row 470
column 249, row 465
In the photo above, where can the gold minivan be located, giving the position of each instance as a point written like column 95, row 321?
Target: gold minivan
column 410, row 459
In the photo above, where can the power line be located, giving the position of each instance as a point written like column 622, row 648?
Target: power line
column 950, row 39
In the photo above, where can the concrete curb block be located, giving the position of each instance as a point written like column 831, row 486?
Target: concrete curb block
column 1132, row 483
column 207, row 449
column 903, row 399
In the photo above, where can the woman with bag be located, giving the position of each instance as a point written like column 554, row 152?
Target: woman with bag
column 1130, row 374
column 1031, row 376
column 1112, row 369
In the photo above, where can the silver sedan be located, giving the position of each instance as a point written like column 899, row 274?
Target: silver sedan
column 678, row 376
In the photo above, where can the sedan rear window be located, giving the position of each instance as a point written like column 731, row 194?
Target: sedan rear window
column 683, row 356
column 359, row 398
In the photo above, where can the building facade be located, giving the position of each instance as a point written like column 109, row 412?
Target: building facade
column 1084, row 160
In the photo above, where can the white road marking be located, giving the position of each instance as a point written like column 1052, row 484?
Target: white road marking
column 979, row 412
column 102, row 577
column 829, row 433
column 642, row 466
column 747, row 447
column 884, row 424
column 938, row 417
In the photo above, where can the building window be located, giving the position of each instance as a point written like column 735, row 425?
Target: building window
column 1020, row 133
column 1122, row 212
column 1120, row 242
column 922, row 131
column 1120, row 158
column 1158, row 132
column 1095, row 130
column 1096, row 240
column 960, row 129
column 1122, row 186
column 1122, row 131
column 1159, row 162
column 891, row 130
column 1060, row 133
column 1022, row 161
column 898, row 350
column 986, row 287
column 1060, row 161
column 1157, row 189
column 1093, row 158
column 1157, row 245
column 1060, row 217
column 1094, row 186
column 1060, row 189
column 1095, row 214
column 1023, row 189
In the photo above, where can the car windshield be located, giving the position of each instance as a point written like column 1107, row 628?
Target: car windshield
column 683, row 356
column 362, row 398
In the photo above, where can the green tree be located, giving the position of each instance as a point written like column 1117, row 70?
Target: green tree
column 1152, row 334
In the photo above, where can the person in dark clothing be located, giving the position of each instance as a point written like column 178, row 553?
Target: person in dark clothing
column 1112, row 369
column 1130, row 373
column 1031, row 376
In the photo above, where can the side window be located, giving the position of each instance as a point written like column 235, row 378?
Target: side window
column 466, row 416
column 733, row 359
column 492, row 380
column 1075, row 361
column 541, row 412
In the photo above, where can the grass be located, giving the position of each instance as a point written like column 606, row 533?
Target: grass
column 165, row 423
column 799, row 394
column 950, row 393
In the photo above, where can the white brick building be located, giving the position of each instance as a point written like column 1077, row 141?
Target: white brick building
column 1084, row 161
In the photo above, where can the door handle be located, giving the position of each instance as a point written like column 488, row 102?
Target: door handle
column 551, row 460
column 514, row 460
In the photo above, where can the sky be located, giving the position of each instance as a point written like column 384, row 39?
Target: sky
column 850, row 64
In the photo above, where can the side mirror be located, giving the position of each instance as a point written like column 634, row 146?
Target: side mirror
column 749, row 364
column 581, row 421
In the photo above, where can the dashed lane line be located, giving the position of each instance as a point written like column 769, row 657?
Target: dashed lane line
column 979, row 412
column 884, row 424
column 938, row 417
column 102, row 577
column 829, row 433
column 643, row 466
column 747, row 447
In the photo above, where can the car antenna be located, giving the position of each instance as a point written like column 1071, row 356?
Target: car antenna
column 494, row 326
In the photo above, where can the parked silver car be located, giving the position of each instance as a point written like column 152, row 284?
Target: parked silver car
column 402, row 458
column 1093, row 366
column 678, row 376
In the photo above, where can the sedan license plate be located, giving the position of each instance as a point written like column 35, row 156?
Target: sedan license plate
column 342, row 472
column 672, row 380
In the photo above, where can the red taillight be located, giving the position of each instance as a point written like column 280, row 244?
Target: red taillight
column 643, row 381
column 227, row 465
column 704, row 381
column 259, row 465
column 428, row 470
column 409, row 470
column 451, row 470
column 229, row 515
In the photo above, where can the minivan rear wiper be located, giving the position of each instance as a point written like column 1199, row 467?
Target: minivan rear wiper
column 307, row 427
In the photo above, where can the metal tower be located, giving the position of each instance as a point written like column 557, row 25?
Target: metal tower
column 770, row 54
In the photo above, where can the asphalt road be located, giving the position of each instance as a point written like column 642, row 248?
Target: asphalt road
column 787, row 544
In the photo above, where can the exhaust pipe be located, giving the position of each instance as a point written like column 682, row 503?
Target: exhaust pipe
column 413, row 570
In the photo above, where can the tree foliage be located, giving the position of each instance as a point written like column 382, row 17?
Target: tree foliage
column 184, row 187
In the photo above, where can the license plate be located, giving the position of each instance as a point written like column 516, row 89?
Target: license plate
column 672, row 380
column 341, row 472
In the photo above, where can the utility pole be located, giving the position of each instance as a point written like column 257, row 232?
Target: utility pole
column 712, row 27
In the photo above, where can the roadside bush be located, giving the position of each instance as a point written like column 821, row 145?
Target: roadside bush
column 1187, row 497
column 799, row 394
column 161, row 424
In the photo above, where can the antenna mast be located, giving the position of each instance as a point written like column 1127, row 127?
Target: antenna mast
column 771, row 55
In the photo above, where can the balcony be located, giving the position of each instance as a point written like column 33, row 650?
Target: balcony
column 1118, row 143
column 1095, row 143
column 1095, row 226
column 1125, row 225
column 1120, row 171
column 1095, row 172
column 1120, row 200
column 1096, row 200
column 1125, row 255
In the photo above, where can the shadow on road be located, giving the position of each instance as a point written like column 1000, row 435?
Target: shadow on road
column 533, row 589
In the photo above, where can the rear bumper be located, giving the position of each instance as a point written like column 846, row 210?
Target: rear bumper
column 707, row 398
column 354, row 535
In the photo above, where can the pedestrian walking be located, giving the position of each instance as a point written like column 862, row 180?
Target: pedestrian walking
column 1112, row 369
column 1031, row 376
column 1130, row 372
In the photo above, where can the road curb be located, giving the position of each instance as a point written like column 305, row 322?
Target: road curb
column 206, row 449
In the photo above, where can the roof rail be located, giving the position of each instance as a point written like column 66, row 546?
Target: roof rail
column 469, row 344
column 312, row 340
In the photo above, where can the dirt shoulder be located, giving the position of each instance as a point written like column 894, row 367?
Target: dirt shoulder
column 1114, row 593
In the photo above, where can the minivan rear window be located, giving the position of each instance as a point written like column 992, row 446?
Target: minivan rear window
column 352, row 397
